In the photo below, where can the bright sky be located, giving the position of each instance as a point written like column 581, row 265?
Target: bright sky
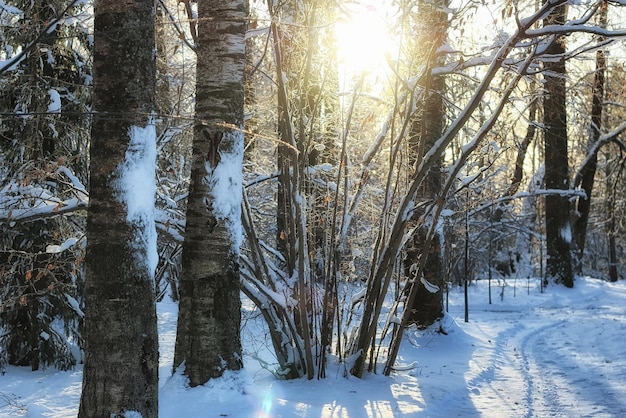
column 363, row 39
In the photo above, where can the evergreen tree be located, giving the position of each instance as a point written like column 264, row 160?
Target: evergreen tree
column 43, row 137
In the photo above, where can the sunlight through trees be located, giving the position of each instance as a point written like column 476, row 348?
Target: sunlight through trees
column 338, row 165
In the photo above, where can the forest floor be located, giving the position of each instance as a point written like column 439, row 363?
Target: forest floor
column 557, row 353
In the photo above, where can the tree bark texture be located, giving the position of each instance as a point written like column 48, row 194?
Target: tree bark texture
column 208, row 340
column 427, row 306
column 121, row 345
column 557, row 213
column 287, row 156
column 583, row 205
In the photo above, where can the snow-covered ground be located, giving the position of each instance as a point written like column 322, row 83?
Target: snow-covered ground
column 561, row 353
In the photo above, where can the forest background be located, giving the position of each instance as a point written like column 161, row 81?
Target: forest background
column 390, row 149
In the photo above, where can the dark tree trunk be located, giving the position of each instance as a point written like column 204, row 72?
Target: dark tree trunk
column 611, row 227
column 287, row 159
column 557, row 206
column 121, row 344
column 427, row 306
column 163, row 98
column 208, row 340
column 613, row 260
column 583, row 205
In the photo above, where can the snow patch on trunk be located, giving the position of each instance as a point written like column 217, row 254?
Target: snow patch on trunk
column 136, row 187
column 225, row 182
column 566, row 233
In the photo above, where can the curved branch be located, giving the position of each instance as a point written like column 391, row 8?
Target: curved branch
column 612, row 136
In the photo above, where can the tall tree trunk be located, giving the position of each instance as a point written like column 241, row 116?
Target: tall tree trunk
column 427, row 306
column 612, row 210
column 612, row 252
column 558, row 227
column 208, row 340
column 287, row 155
column 163, row 97
column 121, row 344
column 292, row 204
column 583, row 205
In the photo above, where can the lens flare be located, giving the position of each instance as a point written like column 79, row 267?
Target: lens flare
column 363, row 39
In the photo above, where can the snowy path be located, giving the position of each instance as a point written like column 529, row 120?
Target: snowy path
column 561, row 353
column 575, row 378
column 552, row 361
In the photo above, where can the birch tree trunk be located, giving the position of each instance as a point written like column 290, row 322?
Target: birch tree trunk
column 208, row 340
column 121, row 346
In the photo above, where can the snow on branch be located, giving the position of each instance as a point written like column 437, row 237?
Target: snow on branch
column 57, row 249
column 23, row 202
column 569, row 193
column 568, row 29
column 593, row 151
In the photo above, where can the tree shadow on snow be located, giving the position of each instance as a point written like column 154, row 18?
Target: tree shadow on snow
column 429, row 381
column 442, row 355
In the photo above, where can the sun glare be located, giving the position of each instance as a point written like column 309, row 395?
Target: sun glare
column 363, row 40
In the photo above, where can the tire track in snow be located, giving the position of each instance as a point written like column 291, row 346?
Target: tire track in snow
column 501, row 386
column 564, row 357
column 541, row 389
column 517, row 376
column 572, row 378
